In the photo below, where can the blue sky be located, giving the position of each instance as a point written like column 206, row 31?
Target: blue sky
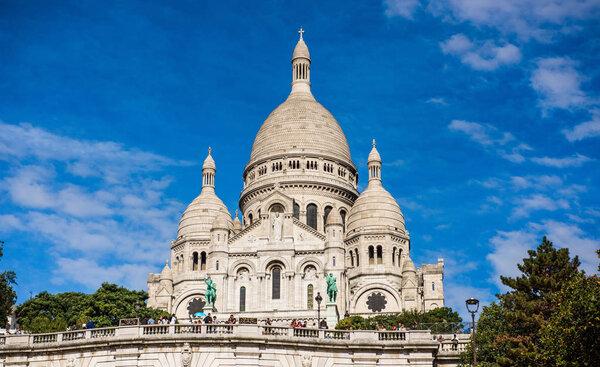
column 486, row 114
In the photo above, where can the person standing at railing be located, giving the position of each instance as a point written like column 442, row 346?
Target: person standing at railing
column 454, row 343
column 173, row 319
column 151, row 321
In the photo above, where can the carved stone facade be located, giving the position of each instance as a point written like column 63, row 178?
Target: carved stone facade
column 302, row 217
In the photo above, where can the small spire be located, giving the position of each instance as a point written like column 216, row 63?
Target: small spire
column 374, row 143
column 301, row 31
column 236, row 213
column 210, row 149
column 167, row 262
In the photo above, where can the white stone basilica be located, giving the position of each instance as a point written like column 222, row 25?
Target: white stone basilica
column 302, row 218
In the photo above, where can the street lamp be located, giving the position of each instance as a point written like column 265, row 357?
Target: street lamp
column 472, row 307
column 318, row 298
column 137, row 307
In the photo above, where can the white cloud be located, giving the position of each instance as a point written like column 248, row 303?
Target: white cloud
column 9, row 222
column 402, row 8
column 504, row 144
column 113, row 213
column 542, row 182
column 510, row 248
column 528, row 19
column 527, row 204
column 437, row 100
column 574, row 161
column 110, row 161
column 91, row 275
column 487, row 56
column 588, row 129
column 558, row 84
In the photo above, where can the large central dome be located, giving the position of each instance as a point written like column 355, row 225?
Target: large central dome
column 301, row 152
column 300, row 125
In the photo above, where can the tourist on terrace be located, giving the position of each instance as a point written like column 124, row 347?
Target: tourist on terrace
column 305, row 324
column 208, row 319
column 268, row 321
column 323, row 324
column 173, row 319
column 294, row 323
column 231, row 320
column 454, row 342
column 90, row 324
column 151, row 321
column 440, row 338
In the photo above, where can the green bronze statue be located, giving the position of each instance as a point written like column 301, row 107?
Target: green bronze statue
column 211, row 292
column 331, row 287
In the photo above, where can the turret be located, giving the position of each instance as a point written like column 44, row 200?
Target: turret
column 301, row 67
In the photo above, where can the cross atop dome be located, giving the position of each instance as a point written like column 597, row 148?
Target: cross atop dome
column 301, row 31
column 373, row 143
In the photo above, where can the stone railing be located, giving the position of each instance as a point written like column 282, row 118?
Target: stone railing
column 207, row 331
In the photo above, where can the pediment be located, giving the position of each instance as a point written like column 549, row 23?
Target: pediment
column 304, row 233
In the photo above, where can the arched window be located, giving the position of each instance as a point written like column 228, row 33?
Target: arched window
column 311, row 215
column 250, row 218
column 203, row 260
column 333, row 261
column 296, row 210
column 343, row 215
column 371, row 255
column 352, row 258
column 276, row 282
column 217, row 264
column 399, row 257
column 276, row 208
column 309, row 297
column 379, row 255
column 394, row 256
column 357, row 258
column 325, row 214
column 195, row 261
column 432, row 286
column 242, row 299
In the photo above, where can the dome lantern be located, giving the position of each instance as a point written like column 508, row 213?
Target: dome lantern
column 209, row 170
column 374, row 163
column 301, row 67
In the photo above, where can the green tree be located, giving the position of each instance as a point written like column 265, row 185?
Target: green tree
column 510, row 329
column 571, row 337
column 8, row 296
column 443, row 319
column 53, row 312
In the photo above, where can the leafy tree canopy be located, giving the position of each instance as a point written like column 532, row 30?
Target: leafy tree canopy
column 509, row 332
column 8, row 296
column 54, row 312
column 443, row 319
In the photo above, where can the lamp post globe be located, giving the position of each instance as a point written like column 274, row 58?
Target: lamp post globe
column 318, row 298
column 473, row 307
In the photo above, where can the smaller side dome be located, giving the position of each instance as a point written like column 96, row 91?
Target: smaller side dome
column 334, row 218
column 166, row 273
column 222, row 222
column 408, row 266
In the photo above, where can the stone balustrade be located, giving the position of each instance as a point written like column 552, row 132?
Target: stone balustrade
column 210, row 330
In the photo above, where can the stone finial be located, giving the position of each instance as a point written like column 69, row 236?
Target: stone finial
column 374, row 143
column 301, row 31
column 236, row 213
column 210, row 149
column 167, row 262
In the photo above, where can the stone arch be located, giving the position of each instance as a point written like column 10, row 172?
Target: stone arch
column 181, row 301
column 359, row 297
column 274, row 260
column 239, row 264
column 309, row 261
